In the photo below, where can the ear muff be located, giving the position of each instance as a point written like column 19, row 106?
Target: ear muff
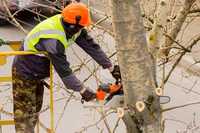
column 78, row 19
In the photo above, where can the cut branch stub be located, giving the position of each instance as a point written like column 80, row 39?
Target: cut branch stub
column 120, row 112
column 159, row 91
column 140, row 106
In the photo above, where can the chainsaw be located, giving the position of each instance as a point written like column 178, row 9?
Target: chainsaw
column 112, row 95
column 107, row 91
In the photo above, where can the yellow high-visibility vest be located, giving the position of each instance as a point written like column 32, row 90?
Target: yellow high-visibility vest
column 49, row 28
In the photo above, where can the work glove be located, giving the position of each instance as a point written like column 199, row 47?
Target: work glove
column 116, row 72
column 87, row 94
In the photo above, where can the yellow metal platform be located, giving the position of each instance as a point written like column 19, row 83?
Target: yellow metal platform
column 15, row 45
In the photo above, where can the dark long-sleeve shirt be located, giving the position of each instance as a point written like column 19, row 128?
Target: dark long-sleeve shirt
column 37, row 67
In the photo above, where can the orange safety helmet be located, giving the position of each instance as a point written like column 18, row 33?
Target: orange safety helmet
column 76, row 12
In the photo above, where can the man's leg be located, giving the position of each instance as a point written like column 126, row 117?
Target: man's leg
column 39, row 100
column 27, row 96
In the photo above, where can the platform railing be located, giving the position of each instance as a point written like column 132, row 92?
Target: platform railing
column 9, row 79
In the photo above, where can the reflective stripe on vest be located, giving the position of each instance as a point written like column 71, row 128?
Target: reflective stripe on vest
column 37, row 34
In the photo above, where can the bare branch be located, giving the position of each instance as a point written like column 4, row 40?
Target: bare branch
column 185, row 49
column 180, row 106
column 177, row 24
column 116, row 125
column 194, row 11
column 63, row 111
column 11, row 16
column 94, row 124
column 194, row 42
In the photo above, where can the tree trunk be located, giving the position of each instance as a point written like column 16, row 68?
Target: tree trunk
column 137, row 67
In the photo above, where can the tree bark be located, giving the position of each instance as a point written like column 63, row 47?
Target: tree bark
column 137, row 67
column 156, row 36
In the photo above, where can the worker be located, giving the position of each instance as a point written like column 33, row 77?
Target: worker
column 53, row 36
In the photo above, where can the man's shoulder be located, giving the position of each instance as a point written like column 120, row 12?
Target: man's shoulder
column 53, row 46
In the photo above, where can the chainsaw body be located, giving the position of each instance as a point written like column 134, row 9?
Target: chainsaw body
column 110, row 94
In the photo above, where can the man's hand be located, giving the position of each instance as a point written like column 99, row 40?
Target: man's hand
column 87, row 94
column 116, row 72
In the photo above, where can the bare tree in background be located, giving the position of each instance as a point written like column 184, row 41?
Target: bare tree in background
column 137, row 66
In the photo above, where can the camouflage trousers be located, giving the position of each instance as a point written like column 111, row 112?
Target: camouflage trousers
column 28, row 98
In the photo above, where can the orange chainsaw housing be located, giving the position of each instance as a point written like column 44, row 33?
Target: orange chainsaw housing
column 100, row 95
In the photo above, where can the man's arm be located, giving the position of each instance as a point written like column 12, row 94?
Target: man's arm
column 56, row 52
column 93, row 49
